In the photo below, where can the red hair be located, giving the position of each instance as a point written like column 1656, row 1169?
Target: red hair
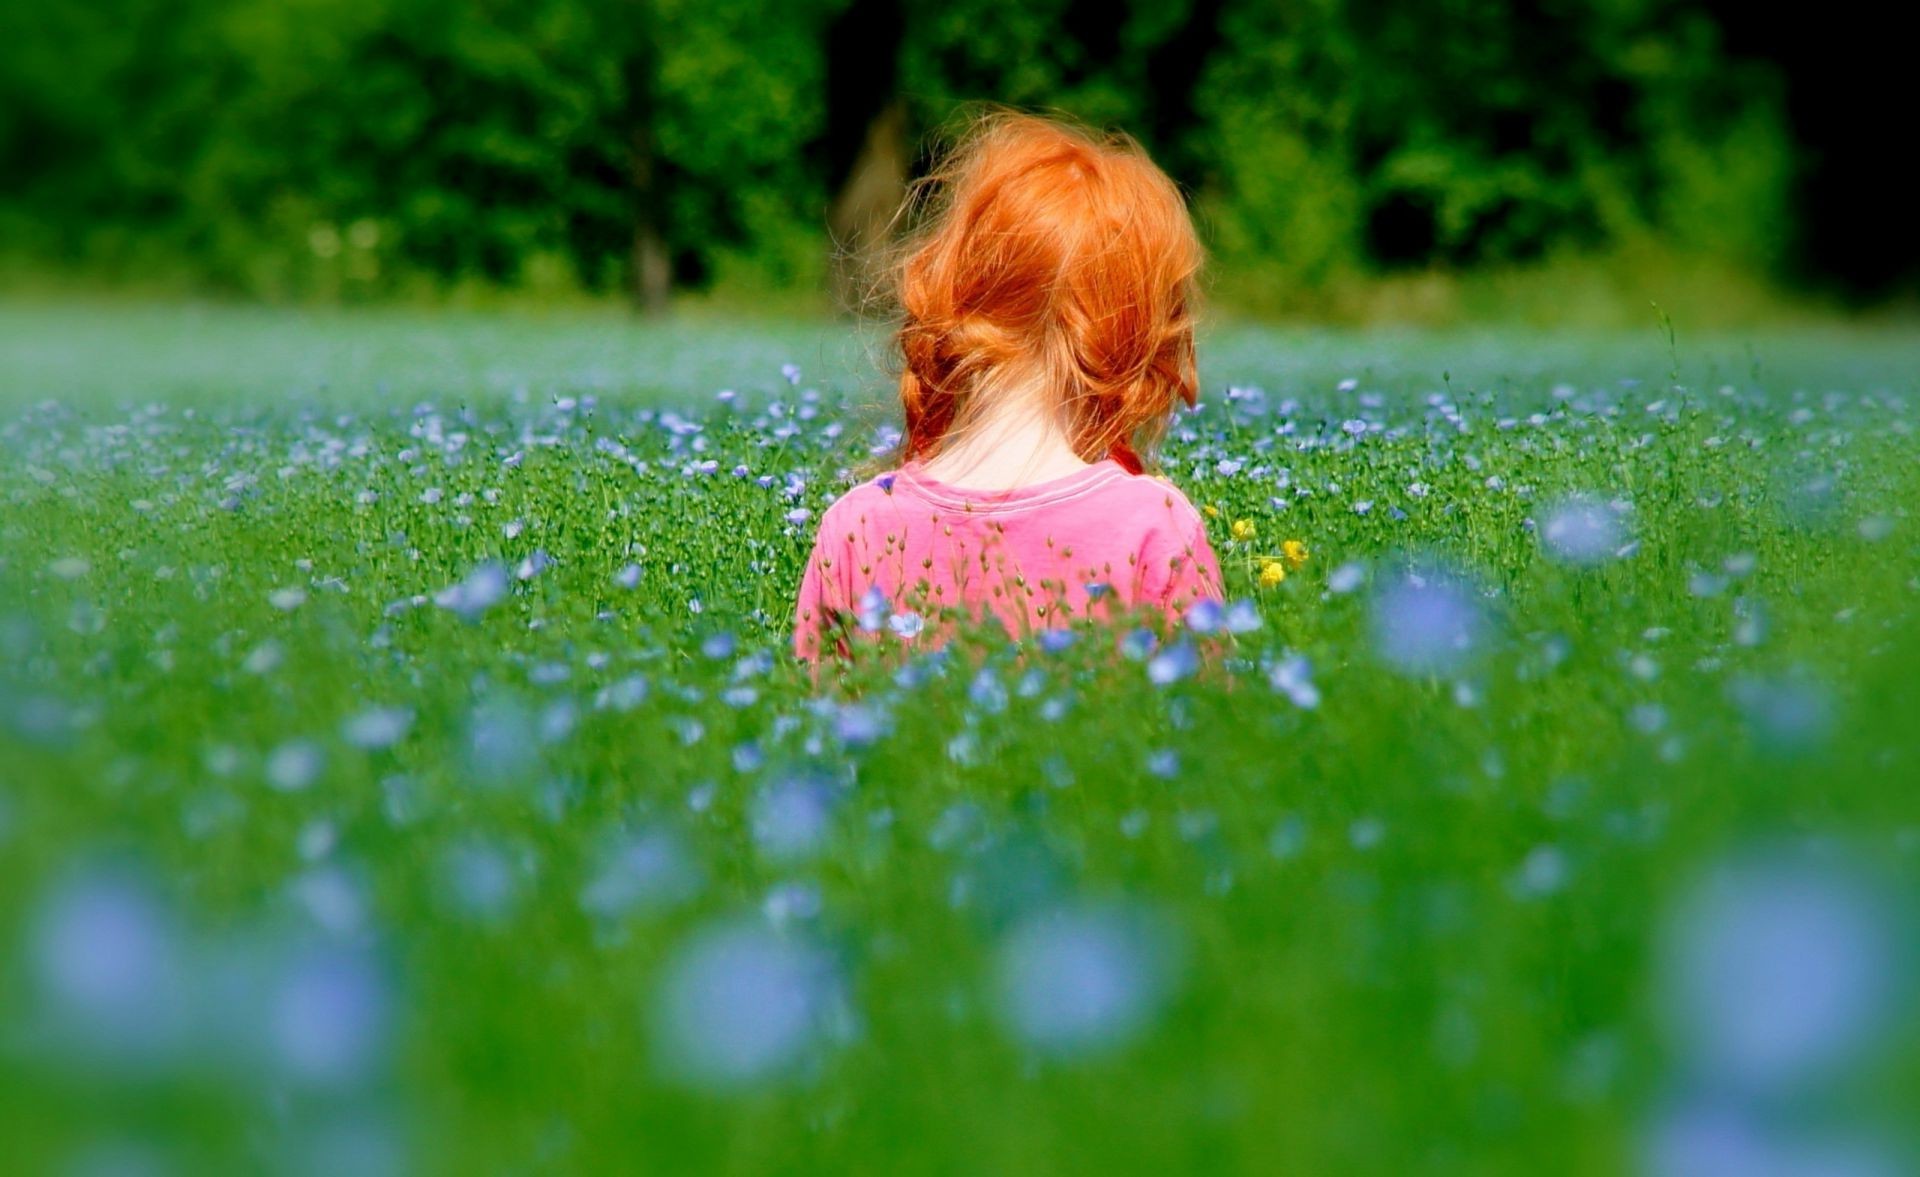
column 1057, row 257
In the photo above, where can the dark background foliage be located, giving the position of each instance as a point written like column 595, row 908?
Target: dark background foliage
column 348, row 148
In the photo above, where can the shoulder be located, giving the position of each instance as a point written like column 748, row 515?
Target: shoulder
column 1161, row 505
column 857, row 504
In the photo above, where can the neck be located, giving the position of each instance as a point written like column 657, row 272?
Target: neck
column 1020, row 441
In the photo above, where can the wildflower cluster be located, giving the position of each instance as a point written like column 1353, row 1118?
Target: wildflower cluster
column 424, row 781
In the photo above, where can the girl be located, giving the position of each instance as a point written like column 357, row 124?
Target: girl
column 1047, row 333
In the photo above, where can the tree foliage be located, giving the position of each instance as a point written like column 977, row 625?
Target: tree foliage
column 337, row 148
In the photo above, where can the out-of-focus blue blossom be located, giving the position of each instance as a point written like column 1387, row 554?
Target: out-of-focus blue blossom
column 1543, row 872
column 1775, row 973
column 358, row 1141
column 987, row 693
column 958, row 825
column 641, row 873
column 1712, row 1136
column 792, row 817
column 294, row 765
column 1082, row 979
column 402, row 799
column 858, row 725
column 329, row 1012
column 377, row 727
column 1173, row 663
column 533, row 565
column 333, row 898
column 479, row 880
column 1581, row 531
column 872, row 609
column 501, row 742
column 624, row 694
column 481, row 590
column 1288, row 838
column 1008, row 876
column 264, row 658
column 1242, row 616
column 1790, row 713
column 110, row 969
column 1292, row 676
column 747, row 756
column 740, row 1005
column 1205, row 616
column 557, row 721
column 549, row 674
column 1346, row 578
column 790, row 903
column 1426, row 623
column 1057, row 639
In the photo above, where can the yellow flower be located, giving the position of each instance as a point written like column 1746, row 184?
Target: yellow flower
column 1243, row 529
column 1295, row 552
column 1212, row 511
column 1272, row 573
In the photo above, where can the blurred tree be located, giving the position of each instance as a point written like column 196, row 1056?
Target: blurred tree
column 866, row 142
column 1371, row 134
column 1844, row 86
column 349, row 148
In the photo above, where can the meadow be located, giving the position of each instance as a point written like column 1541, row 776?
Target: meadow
column 403, row 767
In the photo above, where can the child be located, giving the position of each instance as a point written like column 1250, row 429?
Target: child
column 1047, row 334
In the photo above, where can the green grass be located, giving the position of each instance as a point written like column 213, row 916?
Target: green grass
column 1436, row 923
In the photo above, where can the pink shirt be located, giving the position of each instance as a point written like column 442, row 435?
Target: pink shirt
column 1094, row 543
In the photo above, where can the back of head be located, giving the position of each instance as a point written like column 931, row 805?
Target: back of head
column 1049, row 258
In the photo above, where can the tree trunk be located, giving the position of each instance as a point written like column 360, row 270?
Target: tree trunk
column 868, row 159
column 862, row 212
column 652, row 268
column 652, row 273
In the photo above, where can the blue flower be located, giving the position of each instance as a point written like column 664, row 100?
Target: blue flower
column 534, row 565
column 987, row 692
column 872, row 609
column 1293, row 677
column 1053, row 641
column 1205, row 616
column 858, row 725
column 1173, row 664
column 1084, row 979
column 1242, row 617
column 482, row 589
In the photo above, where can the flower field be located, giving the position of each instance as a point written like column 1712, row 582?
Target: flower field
column 403, row 768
